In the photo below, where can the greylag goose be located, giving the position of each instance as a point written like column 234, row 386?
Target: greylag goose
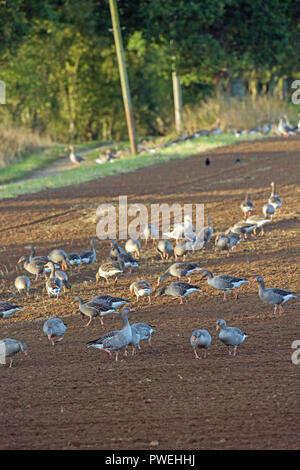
column 241, row 228
column 179, row 270
column 75, row 260
column 199, row 240
column 37, row 259
column 89, row 257
column 133, row 247
column 181, row 249
column 22, row 283
column 247, row 205
column 274, row 199
column 32, row 267
column 141, row 288
column 109, row 301
column 114, row 340
column 227, row 242
column 115, row 251
column 7, row 309
column 54, row 328
column 200, row 339
column 178, row 290
column 54, row 284
column 145, row 332
column 59, row 256
column 9, row 348
column 93, row 309
column 259, row 221
column 107, row 270
column 75, row 158
column 164, row 248
column 223, row 282
column 230, row 335
column 64, row 279
column 105, row 157
column 150, row 231
column 126, row 260
column 268, row 210
column 273, row 296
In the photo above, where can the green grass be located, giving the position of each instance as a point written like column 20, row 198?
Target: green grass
column 91, row 170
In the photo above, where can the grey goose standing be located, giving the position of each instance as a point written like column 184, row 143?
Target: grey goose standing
column 230, row 335
column 92, row 309
column 247, row 205
column 200, row 339
column 178, row 290
column 140, row 289
column 227, row 242
column 22, row 283
column 179, row 270
column 114, row 340
column 274, row 199
column 89, row 256
column 273, row 296
column 164, row 249
column 223, row 282
column 9, row 348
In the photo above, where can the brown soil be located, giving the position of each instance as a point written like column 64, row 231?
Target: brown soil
column 72, row 397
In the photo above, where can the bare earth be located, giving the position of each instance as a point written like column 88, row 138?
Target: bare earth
column 72, row 397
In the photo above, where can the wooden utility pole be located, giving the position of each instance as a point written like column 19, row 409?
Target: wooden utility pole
column 123, row 75
column 177, row 96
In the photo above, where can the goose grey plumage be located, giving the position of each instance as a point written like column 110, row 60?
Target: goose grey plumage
column 74, row 157
column 200, row 239
column 200, row 339
column 179, row 270
column 64, row 279
column 93, row 309
column 109, row 301
column 145, row 331
column 141, row 288
column 89, row 256
column 114, row 340
column 178, row 290
column 107, row 270
column 22, row 283
column 230, row 335
column 133, row 247
column 273, row 296
column 223, row 282
column 274, row 199
column 54, row 284
column 75, row 259
column 268, row 210
column 32, row 267
column 259, row 221
column 150, row 231
column 241, row 228
column 115, row 250
column 59, row 256
column 9, row 348
column 227, row 242
column 54, row 328
column 164, row 248
column 247, row 205
column 7, row 309
column 126, row 260
column 181, row 249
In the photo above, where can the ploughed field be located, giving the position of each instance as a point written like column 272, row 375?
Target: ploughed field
column 72, row 397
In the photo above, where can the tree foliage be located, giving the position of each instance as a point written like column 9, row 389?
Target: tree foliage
column 59, row 64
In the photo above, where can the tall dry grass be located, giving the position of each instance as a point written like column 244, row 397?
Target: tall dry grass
column 236, row 114
column 16, row 141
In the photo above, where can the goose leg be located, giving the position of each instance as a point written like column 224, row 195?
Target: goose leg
column 149, row 299
column 281, row 309
column 108, row 352
column 196, row 355
column 88, row 322
column 224, row 295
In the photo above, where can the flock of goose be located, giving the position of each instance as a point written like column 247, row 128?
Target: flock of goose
column 54, row 266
